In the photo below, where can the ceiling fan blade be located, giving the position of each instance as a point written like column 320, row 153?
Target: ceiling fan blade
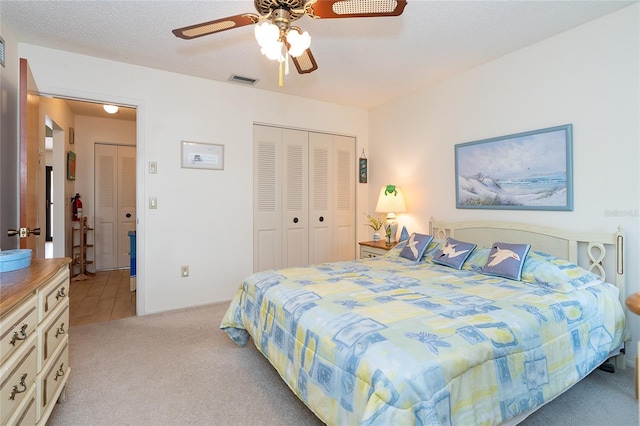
column 355, row 8
column 305, row 63
column 211, row 27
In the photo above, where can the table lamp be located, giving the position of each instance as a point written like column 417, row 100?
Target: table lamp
column 391, row 201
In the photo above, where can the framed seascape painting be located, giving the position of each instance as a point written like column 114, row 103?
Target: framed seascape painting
column 525, row 171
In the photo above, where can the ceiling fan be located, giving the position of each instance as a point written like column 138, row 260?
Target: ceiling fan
column 279, row 39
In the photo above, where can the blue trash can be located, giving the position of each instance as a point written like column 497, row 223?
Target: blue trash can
column 132, row 253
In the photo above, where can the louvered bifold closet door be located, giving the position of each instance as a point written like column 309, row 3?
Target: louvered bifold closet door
column 321, row 217
column 126, row 201
column 295, row 217
column 106, row 210
column 304, row 198
column 344, row 230
column 115, row 200
column 267, row 201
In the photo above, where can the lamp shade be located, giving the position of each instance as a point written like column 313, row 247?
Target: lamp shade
column 390, row 200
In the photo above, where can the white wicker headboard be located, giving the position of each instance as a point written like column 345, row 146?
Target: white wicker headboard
column 601, row 253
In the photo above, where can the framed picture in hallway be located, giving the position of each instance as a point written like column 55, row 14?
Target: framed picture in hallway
column 71, row 165
column 196, row 155
column 524, row 171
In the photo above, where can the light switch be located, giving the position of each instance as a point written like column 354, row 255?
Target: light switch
column 153, row 202
column 153, row 167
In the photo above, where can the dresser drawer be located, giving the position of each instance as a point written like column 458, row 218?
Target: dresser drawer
column 17, row 377
column 17, row 326
column 52, row 332
column 54, row 293
column 25, row 415
column 51, row 380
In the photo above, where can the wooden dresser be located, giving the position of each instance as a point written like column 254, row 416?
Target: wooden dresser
column 34, row 343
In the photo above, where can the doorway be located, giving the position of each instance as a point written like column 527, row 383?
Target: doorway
column 54, row 188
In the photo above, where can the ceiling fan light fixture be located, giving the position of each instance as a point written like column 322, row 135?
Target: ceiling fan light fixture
column 266, row 34
column 273, row 51
column 110, row 109
column 298, row 42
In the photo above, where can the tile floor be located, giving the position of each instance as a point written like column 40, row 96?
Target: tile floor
column 104, row 296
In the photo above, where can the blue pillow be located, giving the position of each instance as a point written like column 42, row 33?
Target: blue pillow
column 506, row 260
column 416, row 246
column 453, row 253
column 404, row 235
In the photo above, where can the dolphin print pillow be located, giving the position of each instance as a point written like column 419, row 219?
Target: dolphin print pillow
column 453, row 253
column 416, row 246
column 506, row 260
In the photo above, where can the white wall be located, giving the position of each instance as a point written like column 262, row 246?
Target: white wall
column 587, row 76
column 204, row 218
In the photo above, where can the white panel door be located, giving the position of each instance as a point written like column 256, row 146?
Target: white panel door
column 115, row 204
column 321, row 216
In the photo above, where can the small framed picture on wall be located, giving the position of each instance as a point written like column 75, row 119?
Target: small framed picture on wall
column 71, row 165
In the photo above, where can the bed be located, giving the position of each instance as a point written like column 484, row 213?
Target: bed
column 416, row 338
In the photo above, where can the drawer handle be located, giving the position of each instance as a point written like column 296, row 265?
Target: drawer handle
column 60, row 294
column 60, row 372
column 60, row 330
column 21, row 336
column 16, row 390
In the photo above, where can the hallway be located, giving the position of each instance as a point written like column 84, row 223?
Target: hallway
column 104, row 297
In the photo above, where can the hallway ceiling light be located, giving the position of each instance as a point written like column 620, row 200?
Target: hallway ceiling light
column 111, row 109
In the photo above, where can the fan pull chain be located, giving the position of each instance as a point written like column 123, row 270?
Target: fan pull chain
column 286, row 64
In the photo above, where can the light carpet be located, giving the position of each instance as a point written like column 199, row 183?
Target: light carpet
column 178, row 368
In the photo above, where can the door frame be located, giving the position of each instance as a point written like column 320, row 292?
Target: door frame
column 139, row 104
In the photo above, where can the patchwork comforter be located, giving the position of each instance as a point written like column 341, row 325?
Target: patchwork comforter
column 390, row 341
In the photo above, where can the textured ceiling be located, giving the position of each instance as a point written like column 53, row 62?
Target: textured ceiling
column 363, row 62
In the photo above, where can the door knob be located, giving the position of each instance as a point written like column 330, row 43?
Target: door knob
column 23, row 232
column 295, row 220
column 128, row 215
column 321, row 218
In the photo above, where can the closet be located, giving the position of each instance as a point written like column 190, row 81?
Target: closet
column 115, row 204
column 304, row 197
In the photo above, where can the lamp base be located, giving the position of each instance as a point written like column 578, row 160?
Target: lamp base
column 391, row 230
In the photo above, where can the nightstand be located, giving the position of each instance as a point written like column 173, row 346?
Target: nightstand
column 374, row 248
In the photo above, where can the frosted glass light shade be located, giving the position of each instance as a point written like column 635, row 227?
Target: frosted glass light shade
column 298, row 42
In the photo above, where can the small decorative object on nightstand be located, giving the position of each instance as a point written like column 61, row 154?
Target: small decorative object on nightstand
column 374, row 249
column 375, row 223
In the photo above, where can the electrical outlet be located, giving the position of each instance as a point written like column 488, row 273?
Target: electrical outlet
column 184, row 271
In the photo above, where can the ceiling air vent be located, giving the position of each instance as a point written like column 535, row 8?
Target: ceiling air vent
column 243, row 80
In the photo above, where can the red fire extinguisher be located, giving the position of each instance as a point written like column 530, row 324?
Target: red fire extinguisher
column 76, row 208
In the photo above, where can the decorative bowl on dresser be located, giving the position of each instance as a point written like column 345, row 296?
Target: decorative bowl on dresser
column 34, row 341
